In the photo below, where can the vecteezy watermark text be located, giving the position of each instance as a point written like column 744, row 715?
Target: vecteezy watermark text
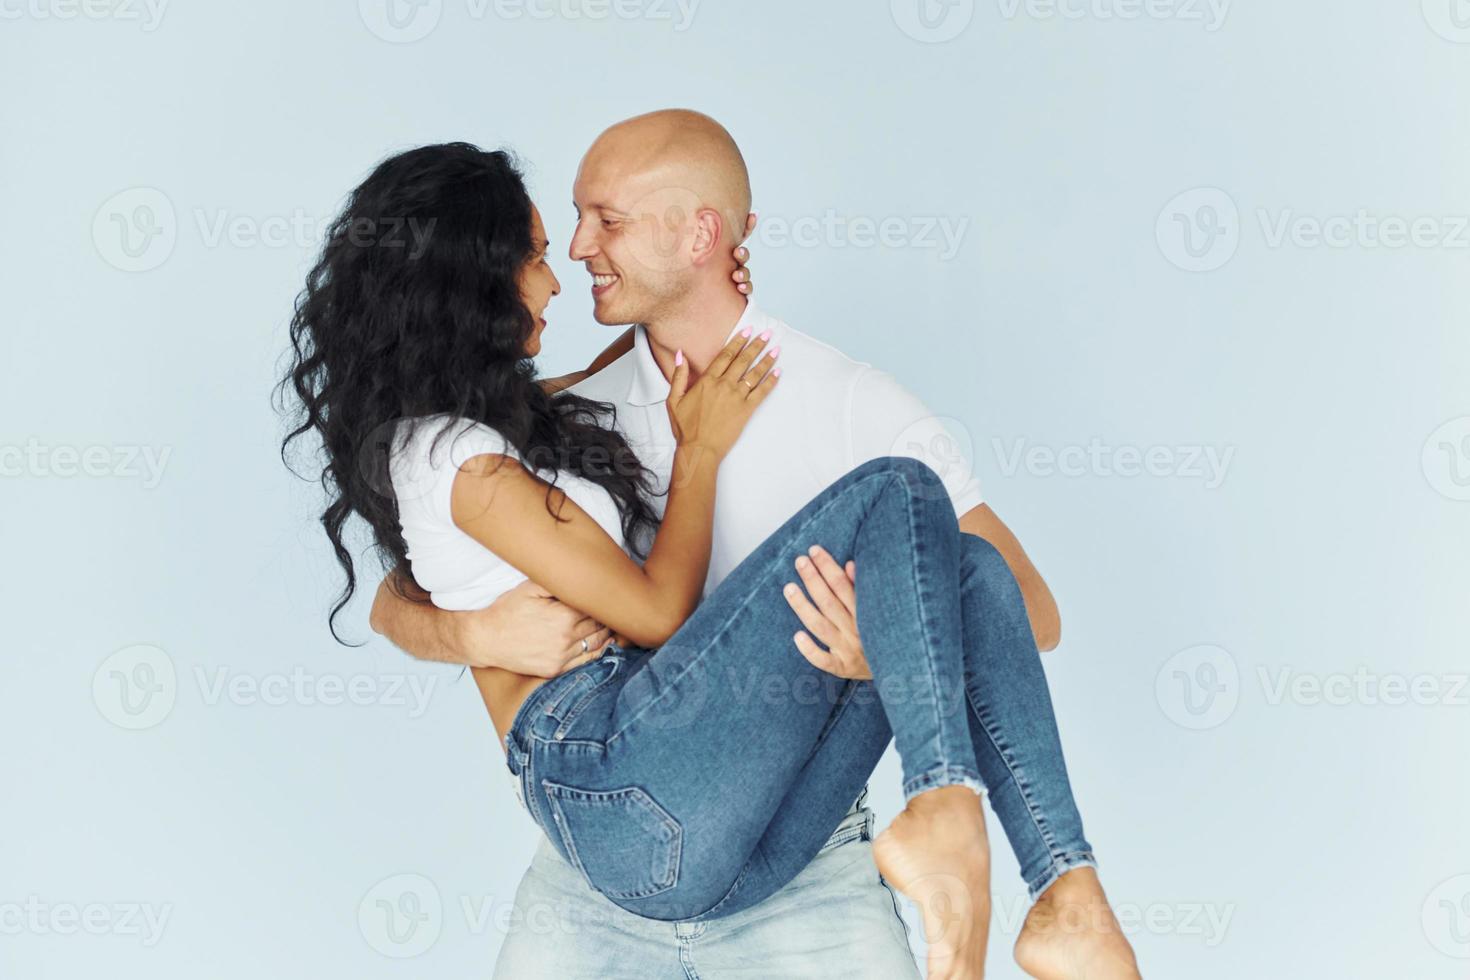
column 406, row 21
column 1363, row 229
column 42, row 461
column 1210, row 13
column 1205, row 463
column 943, row 234
column 137, row 229
column 1201, row 686
column 137, row 687
column 1200, row 230
column 37, row 917
column 148, row 14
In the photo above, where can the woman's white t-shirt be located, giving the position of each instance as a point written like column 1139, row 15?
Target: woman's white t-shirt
column 458, row 571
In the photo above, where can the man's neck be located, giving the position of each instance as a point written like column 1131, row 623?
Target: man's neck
column 699, row 330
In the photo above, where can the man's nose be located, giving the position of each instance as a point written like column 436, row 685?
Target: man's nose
column 555, row 285
column 582, row 246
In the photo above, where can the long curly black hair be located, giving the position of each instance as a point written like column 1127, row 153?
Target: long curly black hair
column 414, row 310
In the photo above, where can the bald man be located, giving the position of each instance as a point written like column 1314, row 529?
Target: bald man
column 655, row 195
column 662, row 200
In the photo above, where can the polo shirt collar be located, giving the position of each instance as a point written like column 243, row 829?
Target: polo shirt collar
column 649, row 386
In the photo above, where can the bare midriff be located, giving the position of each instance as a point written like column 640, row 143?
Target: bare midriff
column 503, row 692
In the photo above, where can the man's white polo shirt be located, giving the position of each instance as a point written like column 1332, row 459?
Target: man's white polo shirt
column 828, row 415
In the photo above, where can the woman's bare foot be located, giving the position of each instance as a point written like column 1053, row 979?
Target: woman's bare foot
column 935, row 852
column 1072, row 934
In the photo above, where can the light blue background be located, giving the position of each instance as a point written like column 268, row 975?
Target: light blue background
column 1330, row 837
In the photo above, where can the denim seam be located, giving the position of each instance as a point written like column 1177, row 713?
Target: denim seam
column 588, row 743
column 1038, row 820
column 1059, row 866
column 941, row 776
column 847, row 836
column 583, row 701
column 849, row 690
column 724, row 899
column 528, row 786
column 893, row 898
column 554, row 701
column 844, row 698
column 686, row 958
column 724, row 627
column 521, row 713
column 919, row 591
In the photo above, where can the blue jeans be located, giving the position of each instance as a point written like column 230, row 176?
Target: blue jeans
column 836, row 920
column 628, row 762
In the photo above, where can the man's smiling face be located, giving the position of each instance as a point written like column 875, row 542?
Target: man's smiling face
column 633, row 235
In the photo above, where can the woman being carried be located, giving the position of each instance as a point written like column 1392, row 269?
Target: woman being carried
column 622, row 760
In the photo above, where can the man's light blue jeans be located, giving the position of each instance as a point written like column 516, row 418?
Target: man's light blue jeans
column 836, row 920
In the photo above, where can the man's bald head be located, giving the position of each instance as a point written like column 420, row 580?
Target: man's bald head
column 675, row 148
column 662, row 200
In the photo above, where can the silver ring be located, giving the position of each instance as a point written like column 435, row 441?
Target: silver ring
column 585, row 647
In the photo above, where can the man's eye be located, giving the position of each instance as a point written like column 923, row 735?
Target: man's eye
column 608, row 222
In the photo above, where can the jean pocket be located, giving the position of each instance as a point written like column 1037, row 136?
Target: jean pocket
column 624, row 843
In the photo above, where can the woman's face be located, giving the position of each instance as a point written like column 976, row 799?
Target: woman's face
column 538, row 282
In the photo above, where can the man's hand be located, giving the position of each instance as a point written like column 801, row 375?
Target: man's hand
column 830, row 614
column 527, row 631
column 831, row 611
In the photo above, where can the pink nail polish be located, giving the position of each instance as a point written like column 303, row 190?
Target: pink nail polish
column 766, row 335
column 774, row 351
column 775, row 372
column 678, row 357
column 745, row 332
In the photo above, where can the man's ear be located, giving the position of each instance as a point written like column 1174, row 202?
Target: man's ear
column 709, row 229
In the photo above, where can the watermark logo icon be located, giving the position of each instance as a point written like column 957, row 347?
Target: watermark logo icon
column 400, row 21
column 389, row 470
column 1198, row 687
column 1199, row 230
column 136, row 687
column 1446, row 459
column 672, row 700
column 932, row 21
column 664, row 226
column 943, row 443
column 1450, row 19
column 135, row 230
column 1446, row 917
column 401, row 916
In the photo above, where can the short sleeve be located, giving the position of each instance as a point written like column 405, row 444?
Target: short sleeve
column 886, row 419
column 428, row 453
